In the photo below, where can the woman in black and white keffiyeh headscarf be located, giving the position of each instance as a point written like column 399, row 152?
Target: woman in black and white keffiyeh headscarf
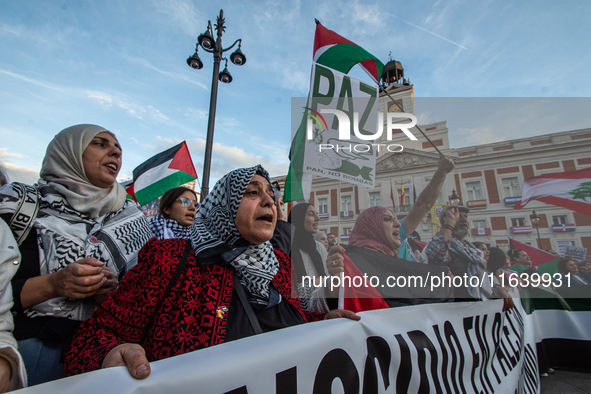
column 215, row 234
column 210, row 290
column 175, row 214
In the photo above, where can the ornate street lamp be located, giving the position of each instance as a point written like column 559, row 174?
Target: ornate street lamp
column 207, row 43
column 535, row 221
column 454, row 199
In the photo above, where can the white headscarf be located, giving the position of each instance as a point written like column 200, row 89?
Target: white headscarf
column 64, row 171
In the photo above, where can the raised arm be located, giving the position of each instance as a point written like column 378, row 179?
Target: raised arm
column 428, row 196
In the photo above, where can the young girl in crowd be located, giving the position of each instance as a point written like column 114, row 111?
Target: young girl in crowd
column 176, row 213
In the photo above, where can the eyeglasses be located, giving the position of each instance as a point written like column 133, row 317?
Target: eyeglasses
column 186, row 202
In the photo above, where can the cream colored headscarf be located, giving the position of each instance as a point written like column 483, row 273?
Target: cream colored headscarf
column 64, row 171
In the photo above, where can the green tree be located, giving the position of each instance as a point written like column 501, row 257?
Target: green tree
column 582, row 192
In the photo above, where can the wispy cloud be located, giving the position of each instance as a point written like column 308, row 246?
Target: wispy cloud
column 134, row 109
column 180, row 13
column 192, row 80
column 228, row 158
column 38, row 83
column 428, row 31
column 15, row 172
column 4, row 153
column 479, row 135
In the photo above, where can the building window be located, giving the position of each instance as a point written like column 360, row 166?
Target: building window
column 346, row 203
column 559, row 219
column 473, row 191
column 374, row 199
column 346, row 231
column 323, row 205
column 511, row 187
column 517, row 222
column 479, row 223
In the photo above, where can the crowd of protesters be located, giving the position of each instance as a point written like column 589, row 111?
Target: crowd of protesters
column 74, row 241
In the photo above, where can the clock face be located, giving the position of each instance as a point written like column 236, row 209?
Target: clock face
column 394, row 108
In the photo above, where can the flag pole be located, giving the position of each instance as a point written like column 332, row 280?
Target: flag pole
column 341, row 302
column 339, row 217
column 417, row 126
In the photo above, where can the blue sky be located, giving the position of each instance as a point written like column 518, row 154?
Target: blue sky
column 122, row 65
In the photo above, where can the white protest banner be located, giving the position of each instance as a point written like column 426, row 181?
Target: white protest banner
column 455, row 347
column 576, row 253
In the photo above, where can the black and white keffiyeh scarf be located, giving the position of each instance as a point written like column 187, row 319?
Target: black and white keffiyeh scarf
column 65, row 235
column 163, row 228
column 214, row 235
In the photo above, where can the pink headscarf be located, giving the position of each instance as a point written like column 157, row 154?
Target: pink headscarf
column 368, row 232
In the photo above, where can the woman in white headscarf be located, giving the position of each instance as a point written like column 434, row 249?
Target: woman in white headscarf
column 77, row 234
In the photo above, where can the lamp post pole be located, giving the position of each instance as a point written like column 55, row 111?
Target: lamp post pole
column 208, row 44
column 217, row 57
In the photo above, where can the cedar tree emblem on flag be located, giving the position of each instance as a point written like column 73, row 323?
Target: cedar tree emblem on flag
column 571, row 190
column 162, row 172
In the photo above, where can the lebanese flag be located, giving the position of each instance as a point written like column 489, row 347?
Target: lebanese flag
column 162, row 172
column 571, row 190
column 538, row 256
column 360, row 298
column 338, row 53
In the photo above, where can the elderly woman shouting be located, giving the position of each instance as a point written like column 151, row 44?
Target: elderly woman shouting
column 79, row 236
column 225, row 283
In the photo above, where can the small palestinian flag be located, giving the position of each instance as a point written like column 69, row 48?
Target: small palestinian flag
column 338, row 53
column 162, row 172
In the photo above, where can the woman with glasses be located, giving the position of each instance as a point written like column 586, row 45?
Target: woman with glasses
column 176, row 214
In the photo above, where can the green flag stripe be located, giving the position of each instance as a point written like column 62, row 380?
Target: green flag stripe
column 158, row 188
column 342, row 57
column 293, row 182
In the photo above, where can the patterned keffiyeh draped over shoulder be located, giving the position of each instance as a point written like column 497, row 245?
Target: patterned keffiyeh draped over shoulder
column 216, row 239
column 77, row 220
column 163, row 228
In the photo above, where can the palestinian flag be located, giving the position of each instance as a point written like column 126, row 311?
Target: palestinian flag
column 545, row 261
column 571, row 190
column 162, row 172
column 336, row 52
column 561, row 319
column 360, row 298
